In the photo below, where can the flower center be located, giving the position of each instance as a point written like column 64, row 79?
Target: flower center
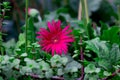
column 55, row 40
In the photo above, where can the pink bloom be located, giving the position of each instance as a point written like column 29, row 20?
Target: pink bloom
column 55, row 39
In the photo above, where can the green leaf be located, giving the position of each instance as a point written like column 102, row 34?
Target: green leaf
column 31, row 63
column 16, row 63
column 60, row 72
column 21, row 40
column 55, row 61
column 107, row 55
column 5, row 4
column 64, row 60
column 44, row 66
column 97, row 70
column 90, row 31
column 91, row 77
column 106, row 73
column 31, row 30
column 72, row 66
column 103, row 27
column 111, row 35
column 1, row 78
column 104, row 63
column 114, row 53
column 10, row 46
column 49, row 73
column 97, row 46
column 24, row 55
column 90, row 68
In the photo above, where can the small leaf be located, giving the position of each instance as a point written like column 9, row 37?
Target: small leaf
column 23, row 55
column 49, row 73
column 60, row 72
column 90, row 68
column 97, row 70
column 64, row 60
column 44, row 66
column 106, row 73
column 72, row 66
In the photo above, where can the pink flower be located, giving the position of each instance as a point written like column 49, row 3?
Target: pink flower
column 55, row 39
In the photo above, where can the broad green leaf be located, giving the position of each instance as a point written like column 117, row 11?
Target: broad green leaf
column 107, row 55
column 114, row 53
column 97, row 46
column 90, row 31
column 111, row 35
column 72, row 66
column 103, row 27
column 105, row 63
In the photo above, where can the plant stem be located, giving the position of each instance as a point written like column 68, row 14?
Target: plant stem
column 80, row 11
column 86, row 11
column 1, row 20
column 26, row 27
column 1, row 47
column 85, row 14
column 113, row 74
column 82, row 58
column 81, row 49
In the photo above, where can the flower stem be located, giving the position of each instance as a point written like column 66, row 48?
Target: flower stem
column 82, row 58
column 26, row 27
column 86, row 17
column 80, row 11
column 86, row 11
column 80, row 14
column 84, row 14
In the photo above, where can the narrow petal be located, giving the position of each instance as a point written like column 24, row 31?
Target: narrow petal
column 66, row 28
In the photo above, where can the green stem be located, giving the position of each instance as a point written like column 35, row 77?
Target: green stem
column 86, row 11
column 1, row 47
column 85, row 16
column 26, row 19
column 1, row 21
column 80, row 14
column 80, row 11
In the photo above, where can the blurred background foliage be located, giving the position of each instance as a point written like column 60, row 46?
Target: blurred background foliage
column 65, row 10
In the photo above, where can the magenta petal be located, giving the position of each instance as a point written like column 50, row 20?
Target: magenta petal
column 55, row 39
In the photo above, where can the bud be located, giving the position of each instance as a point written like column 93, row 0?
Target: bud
column 33, row 12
